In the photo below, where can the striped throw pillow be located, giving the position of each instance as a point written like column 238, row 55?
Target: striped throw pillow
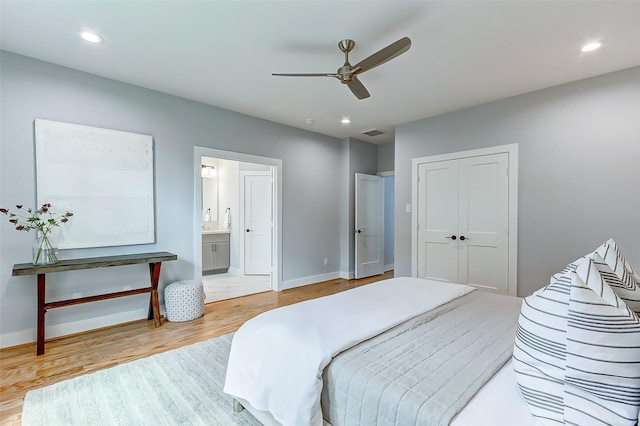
column 610, row 252
column 628, row 290
column 565, row 274
column 602, row 380
column 539, row 353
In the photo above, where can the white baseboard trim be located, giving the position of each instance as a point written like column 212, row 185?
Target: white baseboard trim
column 234, row 271
column 298, row 282
column 346, row 275
column 29, row 336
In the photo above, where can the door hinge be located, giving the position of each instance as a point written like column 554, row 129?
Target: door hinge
column 507, row 171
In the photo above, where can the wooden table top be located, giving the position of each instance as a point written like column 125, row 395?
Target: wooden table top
column 92, row 262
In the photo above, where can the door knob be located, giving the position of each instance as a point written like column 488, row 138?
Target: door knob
column 453, row 237
column 462, row 238
column 248, row 230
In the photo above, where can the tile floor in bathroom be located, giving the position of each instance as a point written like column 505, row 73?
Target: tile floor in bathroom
column 227, row 286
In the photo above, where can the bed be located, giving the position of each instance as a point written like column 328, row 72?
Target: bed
column 416, row 329
column 409, row 351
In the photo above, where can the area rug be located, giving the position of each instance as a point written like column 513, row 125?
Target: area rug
column 179, row 387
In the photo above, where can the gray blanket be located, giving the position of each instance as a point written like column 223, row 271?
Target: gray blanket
column 422, row 372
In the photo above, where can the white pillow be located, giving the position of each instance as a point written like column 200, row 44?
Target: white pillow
column 566, row 272
column 624, row 283
column 628, row 291
column 539, row 353
column 613, row 257
column 602, row 379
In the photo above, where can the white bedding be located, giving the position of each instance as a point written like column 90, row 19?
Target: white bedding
column 498, row 403
column 277, row 358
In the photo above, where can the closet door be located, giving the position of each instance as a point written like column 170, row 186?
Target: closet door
column 438, row 220
column 462, row 213
column 483, row 222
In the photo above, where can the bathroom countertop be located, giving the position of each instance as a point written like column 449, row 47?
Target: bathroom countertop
column 216, row 231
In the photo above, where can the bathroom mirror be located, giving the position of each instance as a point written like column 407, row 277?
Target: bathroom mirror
column 209, row 199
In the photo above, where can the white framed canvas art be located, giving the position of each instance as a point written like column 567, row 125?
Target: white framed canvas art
column 104, row 177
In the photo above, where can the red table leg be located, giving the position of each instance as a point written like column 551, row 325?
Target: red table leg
column 41, row 312
column 154, row 302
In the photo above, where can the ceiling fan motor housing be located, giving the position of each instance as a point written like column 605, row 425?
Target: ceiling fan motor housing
column 344, row 73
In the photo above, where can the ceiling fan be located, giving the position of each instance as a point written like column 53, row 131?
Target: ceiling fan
column 348, row 74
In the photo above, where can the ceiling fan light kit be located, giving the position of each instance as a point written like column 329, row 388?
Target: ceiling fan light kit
column 348, row 74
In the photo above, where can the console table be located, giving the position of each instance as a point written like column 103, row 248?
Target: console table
column 153, row 259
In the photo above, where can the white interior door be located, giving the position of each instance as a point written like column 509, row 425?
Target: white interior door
column 369, row 225
column 484, row 222
column 463, row 221
column 438, row 220
column 257, row 224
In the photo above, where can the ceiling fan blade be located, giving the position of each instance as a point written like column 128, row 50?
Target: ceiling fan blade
column 383, row 55
column 307, row 75
column 358, row 89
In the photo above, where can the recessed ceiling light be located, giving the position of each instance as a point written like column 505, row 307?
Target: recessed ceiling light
column 90, row 36
column 345, row 121
column 590, row 47
column 308, row 120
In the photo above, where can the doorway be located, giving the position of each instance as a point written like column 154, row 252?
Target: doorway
column 221, row 219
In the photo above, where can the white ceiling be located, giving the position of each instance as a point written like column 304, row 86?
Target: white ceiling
column 222, row 53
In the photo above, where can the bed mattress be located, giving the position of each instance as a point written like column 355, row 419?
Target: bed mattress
column 498, row 390
column 498, row 403
column 424, row 371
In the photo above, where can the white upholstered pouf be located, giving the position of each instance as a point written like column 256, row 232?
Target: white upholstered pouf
column 184, row 300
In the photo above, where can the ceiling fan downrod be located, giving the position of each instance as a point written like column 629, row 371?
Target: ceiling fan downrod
column 344, row 72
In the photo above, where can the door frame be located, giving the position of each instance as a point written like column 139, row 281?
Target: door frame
column 276, row 240
column 512, row 150
column 242, row 212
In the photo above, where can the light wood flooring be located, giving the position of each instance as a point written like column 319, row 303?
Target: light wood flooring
column 66, row 357
column 226, row 286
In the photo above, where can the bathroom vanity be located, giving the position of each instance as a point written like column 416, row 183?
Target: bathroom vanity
column 215, row 251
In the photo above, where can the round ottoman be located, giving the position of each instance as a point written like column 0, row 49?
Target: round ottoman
column 184, row 300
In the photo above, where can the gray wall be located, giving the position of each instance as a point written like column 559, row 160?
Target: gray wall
column 386, row 155
column 312, row 184
column 579, row 169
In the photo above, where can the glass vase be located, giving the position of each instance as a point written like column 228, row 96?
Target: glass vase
column 45, row 249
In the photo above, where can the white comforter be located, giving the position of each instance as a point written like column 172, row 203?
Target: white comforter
column 277, row 358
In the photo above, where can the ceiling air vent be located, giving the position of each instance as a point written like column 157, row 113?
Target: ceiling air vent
column 373, row 132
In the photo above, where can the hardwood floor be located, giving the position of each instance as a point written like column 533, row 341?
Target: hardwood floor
column 226, row 286
column 66, row 357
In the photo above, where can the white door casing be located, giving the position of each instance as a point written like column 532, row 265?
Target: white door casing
column 472, row 194
column 257, row 223
column 369, row 225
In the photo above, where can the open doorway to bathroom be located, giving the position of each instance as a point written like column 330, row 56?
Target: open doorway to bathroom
column 237, row 223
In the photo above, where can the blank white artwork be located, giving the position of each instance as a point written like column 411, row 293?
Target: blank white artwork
column 104, row 177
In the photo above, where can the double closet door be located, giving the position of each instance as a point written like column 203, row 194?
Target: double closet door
column 463, row 221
